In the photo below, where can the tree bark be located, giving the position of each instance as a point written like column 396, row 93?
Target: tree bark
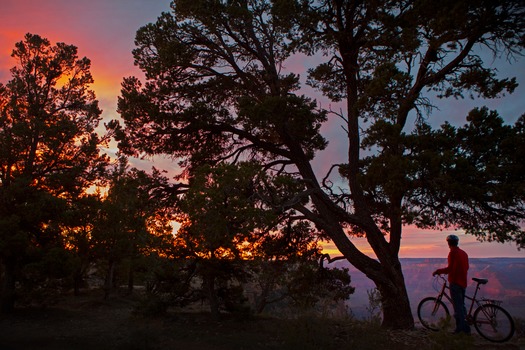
column 386, row 273
column 389, row 280
column 397, row 313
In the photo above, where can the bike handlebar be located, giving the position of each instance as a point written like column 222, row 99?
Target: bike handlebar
column 438, row 275
column 475, row 279
column 438, row 282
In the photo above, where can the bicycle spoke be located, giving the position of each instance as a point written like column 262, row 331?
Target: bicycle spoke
column 433, row 314
column 493, row 323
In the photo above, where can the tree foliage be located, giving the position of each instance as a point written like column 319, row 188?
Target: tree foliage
column 235, row 243
column 218, row 90
column 131, row 223
column 49, row 150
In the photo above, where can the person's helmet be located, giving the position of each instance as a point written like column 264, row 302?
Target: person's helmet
column 452, row 238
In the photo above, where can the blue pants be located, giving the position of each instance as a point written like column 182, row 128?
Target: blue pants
column 460, row 313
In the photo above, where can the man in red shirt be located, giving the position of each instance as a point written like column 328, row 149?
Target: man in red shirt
column 457, row 277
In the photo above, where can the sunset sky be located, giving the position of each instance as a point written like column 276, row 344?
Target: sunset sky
column 104, row 31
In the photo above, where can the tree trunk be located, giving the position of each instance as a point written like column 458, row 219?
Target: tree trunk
column 7, row 286
column 79, row 277
column 386, row 273
column 397, row 313
column 108, row 286
column 131, row 279
column 77, row 282
column 395, row 303
column 212, row 297
column 261, row 302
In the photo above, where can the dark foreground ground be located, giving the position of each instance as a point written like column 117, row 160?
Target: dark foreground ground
column 89, row 322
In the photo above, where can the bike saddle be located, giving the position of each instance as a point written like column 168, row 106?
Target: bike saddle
column 480, row 280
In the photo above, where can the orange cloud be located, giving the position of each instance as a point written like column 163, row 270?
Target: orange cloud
column 103, row 31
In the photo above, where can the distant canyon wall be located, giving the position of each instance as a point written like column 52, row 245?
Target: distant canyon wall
column 506, row 282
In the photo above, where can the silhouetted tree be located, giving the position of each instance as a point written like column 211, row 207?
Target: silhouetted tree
column 131, row 222
column 49, row 150
column 77, row 230
column 221, row 219
column 219, row 90
column 288, row 269
column 236, row 242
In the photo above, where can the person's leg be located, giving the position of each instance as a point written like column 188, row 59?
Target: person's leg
column 465, row 327
column 458, row 299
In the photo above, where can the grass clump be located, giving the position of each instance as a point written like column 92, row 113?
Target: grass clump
column 314, row 332
column 447, row 340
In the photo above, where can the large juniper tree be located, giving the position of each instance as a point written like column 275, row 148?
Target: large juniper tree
column 49, row 150
column 217, row 91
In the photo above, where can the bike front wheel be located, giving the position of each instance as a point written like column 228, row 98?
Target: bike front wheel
column 493, row 323
column 433, row 314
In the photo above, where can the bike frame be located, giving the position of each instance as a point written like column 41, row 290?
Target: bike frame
column 473, row 299
column 489, row 319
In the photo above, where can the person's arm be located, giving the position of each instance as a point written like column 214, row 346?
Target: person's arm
column 445, row 270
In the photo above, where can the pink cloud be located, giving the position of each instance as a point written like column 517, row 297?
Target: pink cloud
column 417, row 243
column 103, row 31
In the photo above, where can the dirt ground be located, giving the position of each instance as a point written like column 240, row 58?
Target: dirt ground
column 94, row 323
column 90, row 322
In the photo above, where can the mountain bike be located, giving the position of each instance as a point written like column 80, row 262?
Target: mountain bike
column 491, row 320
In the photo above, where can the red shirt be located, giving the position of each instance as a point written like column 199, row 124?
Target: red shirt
column 457, row 267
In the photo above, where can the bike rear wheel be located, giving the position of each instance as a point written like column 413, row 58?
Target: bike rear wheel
column 493, row 323
column 433, row 314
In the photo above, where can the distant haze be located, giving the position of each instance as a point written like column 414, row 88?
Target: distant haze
column 505, row 275
column 419, row 243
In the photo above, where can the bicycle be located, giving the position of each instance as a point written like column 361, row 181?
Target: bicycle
column 490, row 320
